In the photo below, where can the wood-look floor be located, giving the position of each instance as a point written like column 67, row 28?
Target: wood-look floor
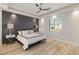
column 50, row 47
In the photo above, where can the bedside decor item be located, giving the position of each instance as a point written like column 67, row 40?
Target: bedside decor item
column 10, row 38
column 10, row 27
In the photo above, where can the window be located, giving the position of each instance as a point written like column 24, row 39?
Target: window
column 55, row 24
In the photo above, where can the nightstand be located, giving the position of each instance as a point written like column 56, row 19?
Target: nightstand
column 10, row 38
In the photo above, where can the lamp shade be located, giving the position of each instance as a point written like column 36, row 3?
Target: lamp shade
column 10, row 26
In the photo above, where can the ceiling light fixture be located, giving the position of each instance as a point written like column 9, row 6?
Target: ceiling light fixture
column 13, row 16
column 54, row 17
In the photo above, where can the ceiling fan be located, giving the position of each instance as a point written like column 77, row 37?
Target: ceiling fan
column 41, row 8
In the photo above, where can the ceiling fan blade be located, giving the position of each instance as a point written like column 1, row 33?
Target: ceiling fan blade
column 40, row 3
column 37, row 5
column 47, row 9
column 38, row 11
column 40, row 8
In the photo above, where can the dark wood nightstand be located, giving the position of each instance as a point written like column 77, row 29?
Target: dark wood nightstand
column 10, row 38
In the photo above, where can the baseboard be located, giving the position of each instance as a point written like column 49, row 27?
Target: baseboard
column 69, row 42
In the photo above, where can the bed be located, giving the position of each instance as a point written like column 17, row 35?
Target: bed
column 29, row 37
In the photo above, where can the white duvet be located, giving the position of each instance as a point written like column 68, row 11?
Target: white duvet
column 28, row 39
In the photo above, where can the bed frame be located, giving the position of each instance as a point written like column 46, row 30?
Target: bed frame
column 28, row 41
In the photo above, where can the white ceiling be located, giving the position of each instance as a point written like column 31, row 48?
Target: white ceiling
column 30, row 8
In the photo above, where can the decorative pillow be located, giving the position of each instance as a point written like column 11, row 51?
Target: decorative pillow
column 31, row 31
column 27, row 31
column 23, row 33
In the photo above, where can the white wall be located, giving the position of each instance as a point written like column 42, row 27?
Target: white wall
column 70, row 26
column 0, row 26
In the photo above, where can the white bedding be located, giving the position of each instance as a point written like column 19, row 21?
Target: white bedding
column 28, row 39
column 32, row 35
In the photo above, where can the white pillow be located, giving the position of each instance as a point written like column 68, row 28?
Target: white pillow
column 20, row 32
column 27, row 31
column 23, row 33
column 31, row 31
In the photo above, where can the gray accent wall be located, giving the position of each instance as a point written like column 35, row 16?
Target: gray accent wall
column 21, row 22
